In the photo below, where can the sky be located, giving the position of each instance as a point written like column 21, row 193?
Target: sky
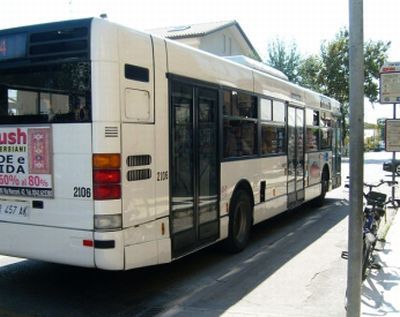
column 306, row 22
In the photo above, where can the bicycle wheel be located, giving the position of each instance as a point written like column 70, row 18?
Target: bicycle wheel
column 367, row 256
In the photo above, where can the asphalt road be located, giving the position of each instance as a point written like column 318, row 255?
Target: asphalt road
column 275, row 274
column 292, row 267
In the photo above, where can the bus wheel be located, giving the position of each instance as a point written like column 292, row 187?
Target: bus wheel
column 320, row 200
column 239, row 222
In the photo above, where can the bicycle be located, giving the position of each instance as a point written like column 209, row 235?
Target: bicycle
column 373, row 212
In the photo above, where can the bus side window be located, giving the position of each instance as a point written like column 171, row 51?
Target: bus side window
column 240, row 124
column 134, row 72
column 312, row 130
column 232, row 139
column 3, row 101
column 80, row 110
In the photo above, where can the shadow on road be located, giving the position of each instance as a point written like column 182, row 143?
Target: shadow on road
column 211, row 277
column 384, row 279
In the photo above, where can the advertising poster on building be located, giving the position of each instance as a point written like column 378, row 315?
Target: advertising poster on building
column 26, row 162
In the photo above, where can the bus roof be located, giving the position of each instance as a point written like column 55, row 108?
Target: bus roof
column 273, row 84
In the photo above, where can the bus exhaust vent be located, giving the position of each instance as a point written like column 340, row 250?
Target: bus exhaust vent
column 111, row 132
column 138, row 160
column 63, row 43
column 138, row 175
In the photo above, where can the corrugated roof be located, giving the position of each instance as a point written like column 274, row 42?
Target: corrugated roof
column 191, row 30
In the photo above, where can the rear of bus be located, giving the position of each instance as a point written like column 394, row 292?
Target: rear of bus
column 50, row 179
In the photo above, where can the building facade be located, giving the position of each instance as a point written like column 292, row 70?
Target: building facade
column 224, row 38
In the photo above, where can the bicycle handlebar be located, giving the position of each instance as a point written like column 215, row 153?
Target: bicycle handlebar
column 381, row 182
column 395, row 202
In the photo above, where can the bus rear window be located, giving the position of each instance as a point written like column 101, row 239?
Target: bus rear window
column 59, row 93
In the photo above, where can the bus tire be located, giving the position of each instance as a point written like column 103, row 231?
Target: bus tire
column 239, row 222
column 320, row 200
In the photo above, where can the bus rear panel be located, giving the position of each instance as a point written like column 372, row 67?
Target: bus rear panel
column 46, row 185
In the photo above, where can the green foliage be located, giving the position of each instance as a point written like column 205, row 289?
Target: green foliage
column 285, row 57
column 309, row 71
column 334, row 73
column 375, row 56
column 328, row 73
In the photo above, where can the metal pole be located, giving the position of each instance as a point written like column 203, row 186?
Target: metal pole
column 356, row 51
column 393, row 160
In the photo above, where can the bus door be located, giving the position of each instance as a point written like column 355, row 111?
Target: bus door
column 295, row 156
column 194, row 181
column 336, row 153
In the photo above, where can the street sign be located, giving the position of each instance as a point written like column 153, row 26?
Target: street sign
column 390, row 83
column 392, row 135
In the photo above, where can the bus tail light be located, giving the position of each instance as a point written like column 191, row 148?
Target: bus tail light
column 108, row 222
column 104, row 192
column 106, row 176
column 106, row 161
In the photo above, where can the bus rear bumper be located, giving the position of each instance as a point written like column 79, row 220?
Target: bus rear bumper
column 109, row 250
column 49, row 244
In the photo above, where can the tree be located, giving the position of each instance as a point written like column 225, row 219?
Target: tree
column 333, row 76
column 375, row 55
column 329, row 72
column 285, row 57
column 309, row 71
column 336, row 73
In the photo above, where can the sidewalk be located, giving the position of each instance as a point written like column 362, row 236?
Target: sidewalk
column 380, row 293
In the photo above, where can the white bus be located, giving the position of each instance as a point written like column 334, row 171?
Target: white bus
column 119, row 149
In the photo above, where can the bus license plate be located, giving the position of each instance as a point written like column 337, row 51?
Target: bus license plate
column 14, row 209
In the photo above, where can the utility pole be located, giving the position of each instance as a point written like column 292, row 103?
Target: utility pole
column 356, row 51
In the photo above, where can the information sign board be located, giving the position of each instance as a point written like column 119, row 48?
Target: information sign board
column 392, row 135
column 390, row 83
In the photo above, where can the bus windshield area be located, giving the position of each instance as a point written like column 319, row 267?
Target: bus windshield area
column 52, row 93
